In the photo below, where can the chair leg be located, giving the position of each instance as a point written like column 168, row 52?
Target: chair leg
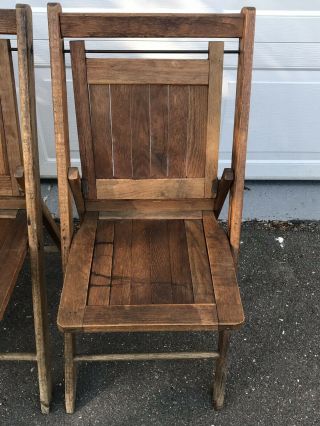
column 42, row 346
column 70, row 373
column 221, row 370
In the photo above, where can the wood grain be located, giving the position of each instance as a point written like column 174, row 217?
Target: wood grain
column 122, row 263
column 77, row 276
column 13, row 250
column 214, row 113
column 198, row 258
column 8, row 23
column 150, row 318
column 82, row 106
column 150, row 188
column 182, row 291
column 240, row 132
column 101, row 130
column 151, row 25
column 159, row 116
column 226, row 290
column 147, row 71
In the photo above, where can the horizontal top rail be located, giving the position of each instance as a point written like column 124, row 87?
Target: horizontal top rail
column 135, row 25
column 132, row 51
column 8, row 23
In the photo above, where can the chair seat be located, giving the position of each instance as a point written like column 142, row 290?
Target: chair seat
column 13, row 250
column 148, row 275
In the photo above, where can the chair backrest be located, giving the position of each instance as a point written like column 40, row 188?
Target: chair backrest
column 149, row 129
column 10, row 139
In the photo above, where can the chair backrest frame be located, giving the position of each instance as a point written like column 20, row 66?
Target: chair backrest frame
column 82, row 25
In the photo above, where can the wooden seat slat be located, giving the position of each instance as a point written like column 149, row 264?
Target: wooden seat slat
column 13, row 250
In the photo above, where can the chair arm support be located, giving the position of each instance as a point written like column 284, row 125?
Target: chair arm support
column 75, row 186
column 224, row 186
column 47, row 218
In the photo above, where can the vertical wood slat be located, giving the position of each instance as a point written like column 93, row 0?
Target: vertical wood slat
column 4, row 166
column 140, row 131
column 82, row 106
column 200, row 272
column 140, row 284
column 159, row 130
column 177, row 139
column 182, row 291
column 240, row 132
column 61, row 127
column 101, row 130
column 160, row 262
column 121, row 130
column 10, row 114
column 122, row 263
column 214, row 113
column 197, row 131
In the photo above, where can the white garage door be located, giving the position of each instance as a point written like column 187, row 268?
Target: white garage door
column 285, row 117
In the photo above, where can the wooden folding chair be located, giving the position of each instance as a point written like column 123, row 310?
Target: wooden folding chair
column 21, row 206
column 149, row 254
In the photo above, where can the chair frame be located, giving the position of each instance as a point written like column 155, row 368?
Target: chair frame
column 19, row 22
column 77, row 25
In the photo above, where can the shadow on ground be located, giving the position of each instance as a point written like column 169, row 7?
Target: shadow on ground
column 274, row 372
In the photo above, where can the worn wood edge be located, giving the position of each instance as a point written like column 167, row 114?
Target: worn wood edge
column 147, row 71
column 90, row 220
column 223, row 324
column 8, row 23
column 161, row 214
column 146, row 356
column 61, row 127
column 150, row 188
column 75, row 186
column 151, row 25
column 18, row 356
column 12, row 203
column 139, row 205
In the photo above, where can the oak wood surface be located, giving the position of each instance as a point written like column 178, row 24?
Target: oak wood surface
column 8, row 23
column 147, row 71
column 13, row 250
column 151, row 25
column 150, row 188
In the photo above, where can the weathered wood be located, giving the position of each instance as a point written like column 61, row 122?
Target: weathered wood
column 150, row 206
column 197, row 131
column 77, row 275
column 70, row 372
column 141, row 291
column 8, row 23
column 75, row 186
column 150, row 188
column 18, row 356
column 12, row 203
column 151, row 25
column 160, row 271
column 221, row 370
column 240, row 132
column 82, row 105
column 214, row 113
column 29, row 140
column 159, row 117
column 10, row 116
column 122, row 263
column 101, row 124
column 226, row 290
column 150, row 318
column 5, row 185
column 147, row 71
column 161, row 214
column 13, row 250
column 60, row 113
column 140, row 131
column 178, row 131
column 47, row 218
column 223, row 190
column 146, row 357
column 198, row 258
column 182, row 290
